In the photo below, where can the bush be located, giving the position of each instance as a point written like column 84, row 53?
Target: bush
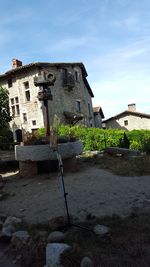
column 99, row 139
column 146, row 145
column 135, row 145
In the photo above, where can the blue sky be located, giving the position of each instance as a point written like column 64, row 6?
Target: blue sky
column 111, row 37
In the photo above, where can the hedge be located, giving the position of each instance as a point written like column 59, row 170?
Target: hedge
column 99, row 139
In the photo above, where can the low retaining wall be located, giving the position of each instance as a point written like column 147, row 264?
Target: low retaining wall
column 29, row 156
column 123, row 151
column 45, row 152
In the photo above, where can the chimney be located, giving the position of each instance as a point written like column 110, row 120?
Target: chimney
column 132, row 107
column 16, row 63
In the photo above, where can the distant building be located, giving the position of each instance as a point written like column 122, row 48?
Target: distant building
column 98, row 116
column 72, row 95
column 129, row 119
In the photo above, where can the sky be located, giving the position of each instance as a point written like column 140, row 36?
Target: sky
column 111, row 38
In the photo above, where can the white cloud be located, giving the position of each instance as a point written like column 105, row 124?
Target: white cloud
column 69, row 43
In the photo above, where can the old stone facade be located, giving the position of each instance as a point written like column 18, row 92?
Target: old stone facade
column 98, row 116
column 129, row 120
column 71, row 96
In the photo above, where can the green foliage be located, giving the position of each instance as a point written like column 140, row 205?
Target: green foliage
column 99, row 139
column 4, row 108
column 124, row 142
column 135, row 145
column 6, row 138
column 146, row 145
column 41, row 132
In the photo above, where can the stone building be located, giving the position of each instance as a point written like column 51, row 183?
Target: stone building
column 98, row 116
column 129, row 120
column 71, row 95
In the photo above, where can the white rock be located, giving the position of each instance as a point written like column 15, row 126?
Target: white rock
column 53, row 253
column 12, row 221
column 8, row 230
column 87, row 262
column 55, row 237
column 101, row 230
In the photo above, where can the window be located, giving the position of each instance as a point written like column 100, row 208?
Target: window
column 16, row 100
column 126, row 122
column 34, row 131
column 27, row 94
column 77, row 75
column 9, row 83
column 68, row 79
column 15, row 106
column 12, row 101
column 13, row 110
column 34, row 122
column 27, row 91
column 78, row 106
column 24, row 117
column 26, row 85
column 64, row 76
column 89, row 109
column 17, row 110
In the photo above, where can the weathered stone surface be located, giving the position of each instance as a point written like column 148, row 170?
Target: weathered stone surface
column 20, row 238
column 12, row 221
column 53, row 253
column 55, row 237
column 45, row 152
column 87, row 262
column 101, row 230
column 123, row 151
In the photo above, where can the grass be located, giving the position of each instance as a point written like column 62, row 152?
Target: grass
column 127, row 245
column 124, row 166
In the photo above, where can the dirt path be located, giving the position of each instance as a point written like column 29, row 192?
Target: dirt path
column 91, row 191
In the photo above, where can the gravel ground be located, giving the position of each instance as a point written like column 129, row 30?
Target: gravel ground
column 91, row 191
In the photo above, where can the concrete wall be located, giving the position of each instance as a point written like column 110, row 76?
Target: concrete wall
column 134, row 122
column 63, row 99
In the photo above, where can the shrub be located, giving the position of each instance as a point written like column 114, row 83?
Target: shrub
column 99, row 139
column 146, row 145
column 135, row 145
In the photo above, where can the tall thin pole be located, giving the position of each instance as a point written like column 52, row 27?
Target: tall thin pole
column 47, row 118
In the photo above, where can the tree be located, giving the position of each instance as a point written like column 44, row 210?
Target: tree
column 4, row 108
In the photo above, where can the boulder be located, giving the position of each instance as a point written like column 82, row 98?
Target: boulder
column 56, row 236
column 87, row 262
column 12, row 221
column 54, row 252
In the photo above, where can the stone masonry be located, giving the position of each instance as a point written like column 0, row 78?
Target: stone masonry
column 29, row 113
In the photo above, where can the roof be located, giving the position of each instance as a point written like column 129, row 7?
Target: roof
column 46, row 64
column 127, row 112
column 97, row 110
